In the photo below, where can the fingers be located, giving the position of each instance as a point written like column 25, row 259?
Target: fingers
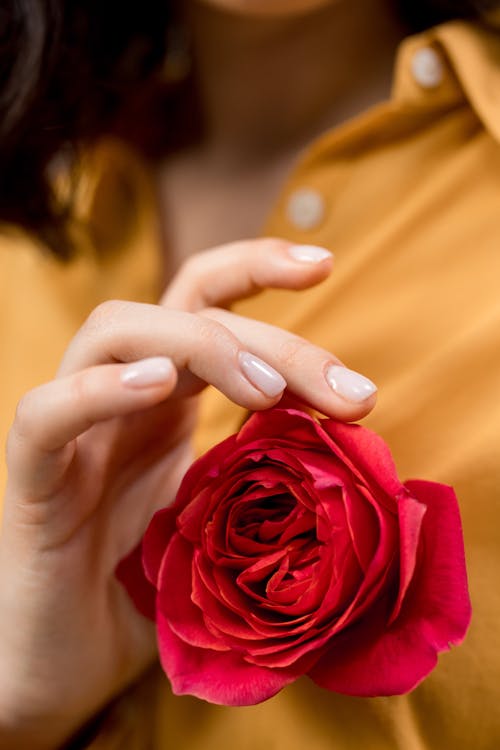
column 241, row 269
column 54, row 414
column 128, row 331
column 249, row 362
column 313, row 374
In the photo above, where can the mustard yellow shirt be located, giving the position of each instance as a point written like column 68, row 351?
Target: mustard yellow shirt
column 408, row 198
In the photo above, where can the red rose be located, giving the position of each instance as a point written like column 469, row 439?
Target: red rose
column 293, row 548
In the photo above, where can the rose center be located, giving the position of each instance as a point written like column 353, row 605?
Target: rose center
column 277, row 534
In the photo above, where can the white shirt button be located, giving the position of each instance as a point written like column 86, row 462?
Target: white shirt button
column 305, row 208
column 427, row 68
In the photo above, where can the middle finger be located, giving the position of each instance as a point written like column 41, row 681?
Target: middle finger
column 313, row 374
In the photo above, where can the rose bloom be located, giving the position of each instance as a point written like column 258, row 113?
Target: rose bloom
column 292, row 548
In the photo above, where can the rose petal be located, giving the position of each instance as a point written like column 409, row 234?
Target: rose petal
column 207, row 465
column 307, row 554
column 231, row 615
column 155, row 541
column 219, row 677
column 298, row 427
column 174, row 600
column 221, row 620
column 191, row 520
column 365, row 451
column 372, row 658
column 369, row 661
column 411, row 513
column 439, row 594
column 343, row 584
column 380, row 573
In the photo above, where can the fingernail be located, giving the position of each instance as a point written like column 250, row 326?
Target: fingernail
column 349, row 384
column 261, row 375
column 309, row 253
column 145, row 372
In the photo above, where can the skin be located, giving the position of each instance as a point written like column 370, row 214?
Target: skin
column 87, row 452
column 63, row 534
column 256, row 131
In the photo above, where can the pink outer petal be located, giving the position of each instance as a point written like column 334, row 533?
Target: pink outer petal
column 155, row 541
column 372, row 658
column 296, row 427
column 369, row 661
column 440, row 583
column 215, row 676
column 365, row 451
column 203, row 470
column 175, row 599
column 130, row 573
column 411, row 513
column 192, row 519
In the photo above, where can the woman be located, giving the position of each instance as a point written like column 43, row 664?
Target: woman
column 405, row 194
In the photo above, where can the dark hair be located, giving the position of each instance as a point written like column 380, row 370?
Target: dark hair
column 70, row 69
column 422, row 14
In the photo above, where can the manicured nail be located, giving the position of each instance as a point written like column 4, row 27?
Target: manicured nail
column 309, row 253
column 261, row 375
column 349, row 384
column 146, row 372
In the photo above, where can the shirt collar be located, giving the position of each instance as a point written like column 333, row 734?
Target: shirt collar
column 470, row 56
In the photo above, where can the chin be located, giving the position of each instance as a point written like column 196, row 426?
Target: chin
column 269, row 8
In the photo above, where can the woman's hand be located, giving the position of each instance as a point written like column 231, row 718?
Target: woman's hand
column 93, row 454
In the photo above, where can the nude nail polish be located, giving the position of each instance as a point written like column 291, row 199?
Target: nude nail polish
column 309, row 253
column 147, row 372
column 261, row 375
column 349, row 384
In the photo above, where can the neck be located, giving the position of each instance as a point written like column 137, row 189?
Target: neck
column 267, row 86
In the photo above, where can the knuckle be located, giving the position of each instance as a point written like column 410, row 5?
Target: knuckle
column 212, row 313
column 80, row 390
column 292, row 350
column 213, row 334
column 268, row 245
column 103, row 317
column 24, row 414
column 268, row 240
column 22, row 428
